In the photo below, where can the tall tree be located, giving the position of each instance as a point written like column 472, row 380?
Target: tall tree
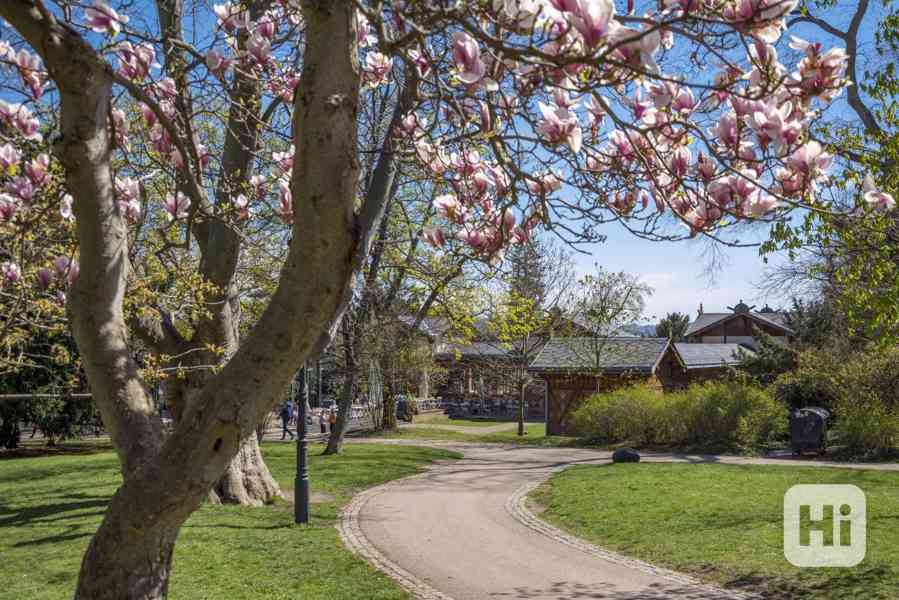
column 673, row 326
column 498, row 122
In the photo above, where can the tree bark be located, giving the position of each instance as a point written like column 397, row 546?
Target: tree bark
column 524, row 387
column 166, row 478
column 247, row 479
column 345, row 404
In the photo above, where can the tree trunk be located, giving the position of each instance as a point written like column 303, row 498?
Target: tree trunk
column 130, row 556
column 344, row 408
column 389, row 421
column 345, row 405
column 247, row 480
column 521, row 409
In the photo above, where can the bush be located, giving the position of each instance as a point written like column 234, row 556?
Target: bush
column 718, row 415
column 860, row 389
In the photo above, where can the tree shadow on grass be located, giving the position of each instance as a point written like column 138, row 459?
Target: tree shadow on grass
column 60, row 449
column 53, row 512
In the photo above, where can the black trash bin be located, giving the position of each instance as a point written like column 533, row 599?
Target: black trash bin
column 808, row 429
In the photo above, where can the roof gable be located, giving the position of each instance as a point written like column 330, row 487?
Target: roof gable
column 706, row 320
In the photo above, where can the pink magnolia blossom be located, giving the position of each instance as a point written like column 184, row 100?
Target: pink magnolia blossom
column 9, row 159
column 762, row 204
column 727, row 131
column 33, row 76
column 593, row 19
column 285, row 202
column 820, row 75
column 20, row 118
column 10, row 272
column 595, row 111
column 284, row 160
column 176, row 206
column 242, row 205
column 364, row 36
column 377, row 69
column 874, row 197
column 259, row 185
column 636, row 48
column 65, row 207
column 450, row 207
column 763, row 19
column 22, row 188
column 521, row 235
column 9, row 206
column 705, row 167
column 135, row 62
column 559, row 125
column 420, row 59
column 44, row 278
column 217, row 63
column 166, row 89
column 544, row 184
column 772, row 124
column 467, row 57
column 102, row 18
column 231, row 18
column 474, row 238
column 679, row 164
column 267, row 26
column 434, row 236
column 128, row 198
column 118, row 121
column 811, row 161
column 259, row 48
column 66, row 269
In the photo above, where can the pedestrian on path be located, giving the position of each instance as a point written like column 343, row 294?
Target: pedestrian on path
column 286, row 415
column 323, row 421
column 332, row 419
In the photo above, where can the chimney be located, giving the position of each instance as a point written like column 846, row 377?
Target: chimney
column 700, row 309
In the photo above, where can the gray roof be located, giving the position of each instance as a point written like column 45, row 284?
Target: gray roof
column 614, row 354
column 699, row 356
column 472, row 350
column 707, row 319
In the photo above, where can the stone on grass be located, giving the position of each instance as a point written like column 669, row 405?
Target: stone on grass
column 625, row 455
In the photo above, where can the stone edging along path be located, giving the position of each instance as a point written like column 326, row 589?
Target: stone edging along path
column 354, row 539
column 516, row 505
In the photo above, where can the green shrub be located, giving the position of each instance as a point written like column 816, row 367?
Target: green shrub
column 861, row 389
column 867, row 401
column 721, row 414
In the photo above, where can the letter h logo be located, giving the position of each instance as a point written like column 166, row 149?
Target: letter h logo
column 824, row 525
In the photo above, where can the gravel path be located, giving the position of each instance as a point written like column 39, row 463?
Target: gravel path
column 462, row 531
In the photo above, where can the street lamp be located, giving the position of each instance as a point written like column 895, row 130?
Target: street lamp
column 301, row 479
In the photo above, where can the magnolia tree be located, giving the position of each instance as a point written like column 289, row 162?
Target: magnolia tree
column 186, row 136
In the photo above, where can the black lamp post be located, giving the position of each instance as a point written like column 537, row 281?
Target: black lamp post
column 301, row 480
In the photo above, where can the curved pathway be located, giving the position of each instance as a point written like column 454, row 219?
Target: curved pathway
column 462, row 531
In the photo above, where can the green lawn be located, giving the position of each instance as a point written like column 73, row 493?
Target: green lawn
column 442, row 419
column 724, row 523
column 536, row 435
column 50, row 506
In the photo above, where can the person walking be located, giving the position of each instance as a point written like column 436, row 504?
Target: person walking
column 332, row 419
column 323, row 421
column 286, row 415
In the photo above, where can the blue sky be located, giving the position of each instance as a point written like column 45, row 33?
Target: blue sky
column 678, row 272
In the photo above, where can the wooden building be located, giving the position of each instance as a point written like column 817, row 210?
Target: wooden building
column 569, row 366
column 738, row 326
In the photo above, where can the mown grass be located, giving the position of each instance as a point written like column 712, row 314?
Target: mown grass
column 724, row 523
column 50, row 506
column 535, row 435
